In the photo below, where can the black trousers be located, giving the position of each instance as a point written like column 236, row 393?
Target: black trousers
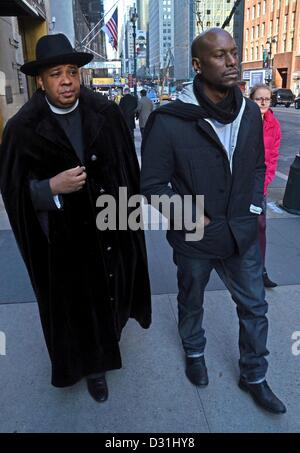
column 242, row 276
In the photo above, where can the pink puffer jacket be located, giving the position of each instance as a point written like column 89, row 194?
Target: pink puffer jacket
column 272, row 138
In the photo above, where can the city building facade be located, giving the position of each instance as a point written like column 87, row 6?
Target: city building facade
column 272, row 43
column 22, row 23
column 238, row 28
column 161, row 36
column 143, row 12
column 212, row 13
column 143, row 42
column 93, row 10
column 184, row 34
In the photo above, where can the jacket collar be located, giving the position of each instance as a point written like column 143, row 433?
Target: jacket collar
column 91, row 113
column 187, row 96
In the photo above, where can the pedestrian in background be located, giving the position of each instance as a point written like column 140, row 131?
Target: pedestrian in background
column 261, row 94
column 144, row 109
column 128, row 105
column 63, row 149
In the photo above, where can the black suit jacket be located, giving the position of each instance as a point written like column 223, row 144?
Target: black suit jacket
column 186, row 157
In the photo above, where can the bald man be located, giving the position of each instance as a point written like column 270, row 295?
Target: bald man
column 210, row 142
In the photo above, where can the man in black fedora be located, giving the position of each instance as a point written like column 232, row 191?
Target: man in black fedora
column 60, row 152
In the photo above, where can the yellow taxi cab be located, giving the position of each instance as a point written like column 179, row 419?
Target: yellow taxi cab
column 164, row 97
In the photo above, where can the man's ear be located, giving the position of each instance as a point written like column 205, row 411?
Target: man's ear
column 40, row 82
column 196, row 65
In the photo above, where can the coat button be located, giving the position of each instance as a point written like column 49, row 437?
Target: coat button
column 102, row 190
column 109, row 249
column 112, row 299
column 94, row 158
column 111, row 275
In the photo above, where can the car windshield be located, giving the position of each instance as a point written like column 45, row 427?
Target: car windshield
column 151, row 95
column 285, row 92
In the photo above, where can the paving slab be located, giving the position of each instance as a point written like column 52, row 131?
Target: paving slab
column 227, row 409
column 149, row 394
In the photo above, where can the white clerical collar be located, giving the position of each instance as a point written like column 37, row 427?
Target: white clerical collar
column 59, row 111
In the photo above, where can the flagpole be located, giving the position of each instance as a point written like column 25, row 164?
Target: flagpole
column 85, row 45
column 96, row 53
column 98, row 23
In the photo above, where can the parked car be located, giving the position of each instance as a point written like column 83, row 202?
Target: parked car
column 297, row 103
column 282, row 96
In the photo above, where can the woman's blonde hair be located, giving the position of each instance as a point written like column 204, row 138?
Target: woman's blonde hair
column 257, row 87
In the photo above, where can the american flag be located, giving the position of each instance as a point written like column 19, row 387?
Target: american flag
column 111, row 29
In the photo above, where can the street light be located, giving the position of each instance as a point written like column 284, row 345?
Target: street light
column 270, row 42
column 133, row 19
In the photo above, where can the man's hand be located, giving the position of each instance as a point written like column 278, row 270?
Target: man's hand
column 207, row 221
column 68, row 181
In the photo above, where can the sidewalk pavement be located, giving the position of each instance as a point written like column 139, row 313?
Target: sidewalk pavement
column 151, row 394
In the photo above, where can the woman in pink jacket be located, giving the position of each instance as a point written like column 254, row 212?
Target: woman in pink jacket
column 261, row 94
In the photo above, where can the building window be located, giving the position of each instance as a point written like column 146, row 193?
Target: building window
column 253, row 11
column 258, row 10
column 251, row 54
column 248, row 13
column 247, row 34
column 252, row 33
column 246, row 53
column 285, row 21
column 284, row 45
column 263, row 29
column 293, row 21
column 257, row 31
column 264, row 7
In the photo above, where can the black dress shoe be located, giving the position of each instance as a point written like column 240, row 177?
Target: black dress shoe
column 97, row 388
column 267, row 282
column 263, row 396
column 196, row 371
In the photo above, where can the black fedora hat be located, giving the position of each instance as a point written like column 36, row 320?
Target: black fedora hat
column 53, row 50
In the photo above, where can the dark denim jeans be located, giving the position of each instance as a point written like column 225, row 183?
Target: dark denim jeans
column 242, row 276
column 262, row 227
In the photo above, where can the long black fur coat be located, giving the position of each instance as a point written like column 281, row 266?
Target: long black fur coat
column 87, row 283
